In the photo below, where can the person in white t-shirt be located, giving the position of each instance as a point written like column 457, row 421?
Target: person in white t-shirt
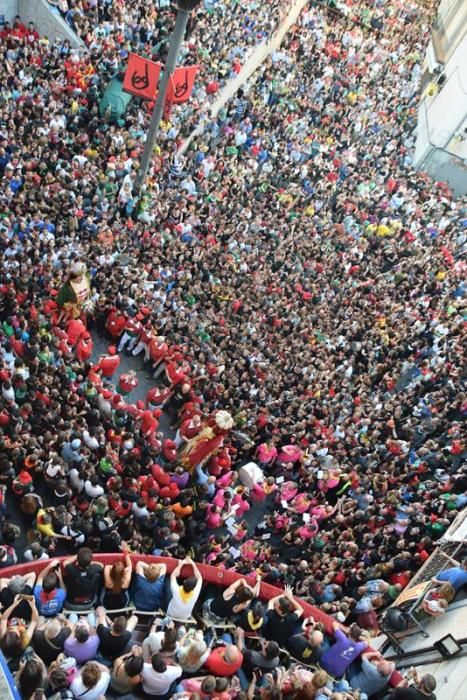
column 184, row 596
column 159, row 675
column 92, row 681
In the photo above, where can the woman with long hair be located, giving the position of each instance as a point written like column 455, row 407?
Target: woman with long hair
column 163, row 642
column 232, row 601
column 126, row 672
column 117, row 578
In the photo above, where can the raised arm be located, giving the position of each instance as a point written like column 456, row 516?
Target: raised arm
column 7, row 612
column 34, row 616
column 196, row 571
column 101, row 616
column 297, row 608
column 53, row 563
column 69, row 560
column 141, row 568
column 228, row 593
column 176, row 572
column 273, row 601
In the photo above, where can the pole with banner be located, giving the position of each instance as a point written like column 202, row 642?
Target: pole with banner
column 185, row 7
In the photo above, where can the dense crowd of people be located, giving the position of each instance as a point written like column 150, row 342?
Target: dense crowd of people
column 297, row 292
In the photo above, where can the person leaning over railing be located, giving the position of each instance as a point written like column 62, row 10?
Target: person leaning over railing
column 83, row 579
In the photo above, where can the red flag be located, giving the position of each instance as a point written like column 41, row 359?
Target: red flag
column 181, row 83
column 168, row 100
column 141, row 77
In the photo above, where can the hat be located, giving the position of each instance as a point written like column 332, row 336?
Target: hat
column 224, row 420
column 75, row 444
column 106, row 394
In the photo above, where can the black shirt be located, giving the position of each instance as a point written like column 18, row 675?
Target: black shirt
column 411, row 693
column 254, row 659
column 280, row 627
column 302, row 650
column 82, row 586
column 112, row 646
column 48, row 650
column 23, row 610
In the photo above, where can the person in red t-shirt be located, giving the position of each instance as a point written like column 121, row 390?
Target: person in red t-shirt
column 224, row 660
column 189, row 428
column 150, row 422
column 17, row 345
column 84, row 347
column 157, row 397
column 115, row 323
column 169, row 450
column 176, row 372
column 131, row 333
column 144, row 339
column 108, row 364
column 158, row 351
column 127, row 382
column 75, row 329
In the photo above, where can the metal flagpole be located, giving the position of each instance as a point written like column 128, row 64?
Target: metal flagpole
column 184, row 9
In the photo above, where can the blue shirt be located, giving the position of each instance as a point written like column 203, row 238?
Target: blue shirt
column 369, row 680
column 147, row 595
column 50, row 607
column 456, row 576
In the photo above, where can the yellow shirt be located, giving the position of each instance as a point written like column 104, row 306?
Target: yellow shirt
column 45, row 528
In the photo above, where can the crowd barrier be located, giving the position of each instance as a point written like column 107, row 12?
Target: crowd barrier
column 210, row 574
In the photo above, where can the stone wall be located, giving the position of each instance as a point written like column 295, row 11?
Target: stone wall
column 47, row 20
column 9, row 9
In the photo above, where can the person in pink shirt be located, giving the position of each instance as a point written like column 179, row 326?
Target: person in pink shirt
column 240, row 503
column 227, row 479
column 308, row 531
column 213, row 517
column 242, row 531
column 259, row 492
column 249, row 550
column 287, row 491
column 266, row 453
column 301, row 503
column 289, row 453
column 322, row 512
column 219, row 499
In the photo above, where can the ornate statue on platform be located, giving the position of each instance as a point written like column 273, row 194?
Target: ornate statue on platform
column 74, row 297
column 208, row 441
